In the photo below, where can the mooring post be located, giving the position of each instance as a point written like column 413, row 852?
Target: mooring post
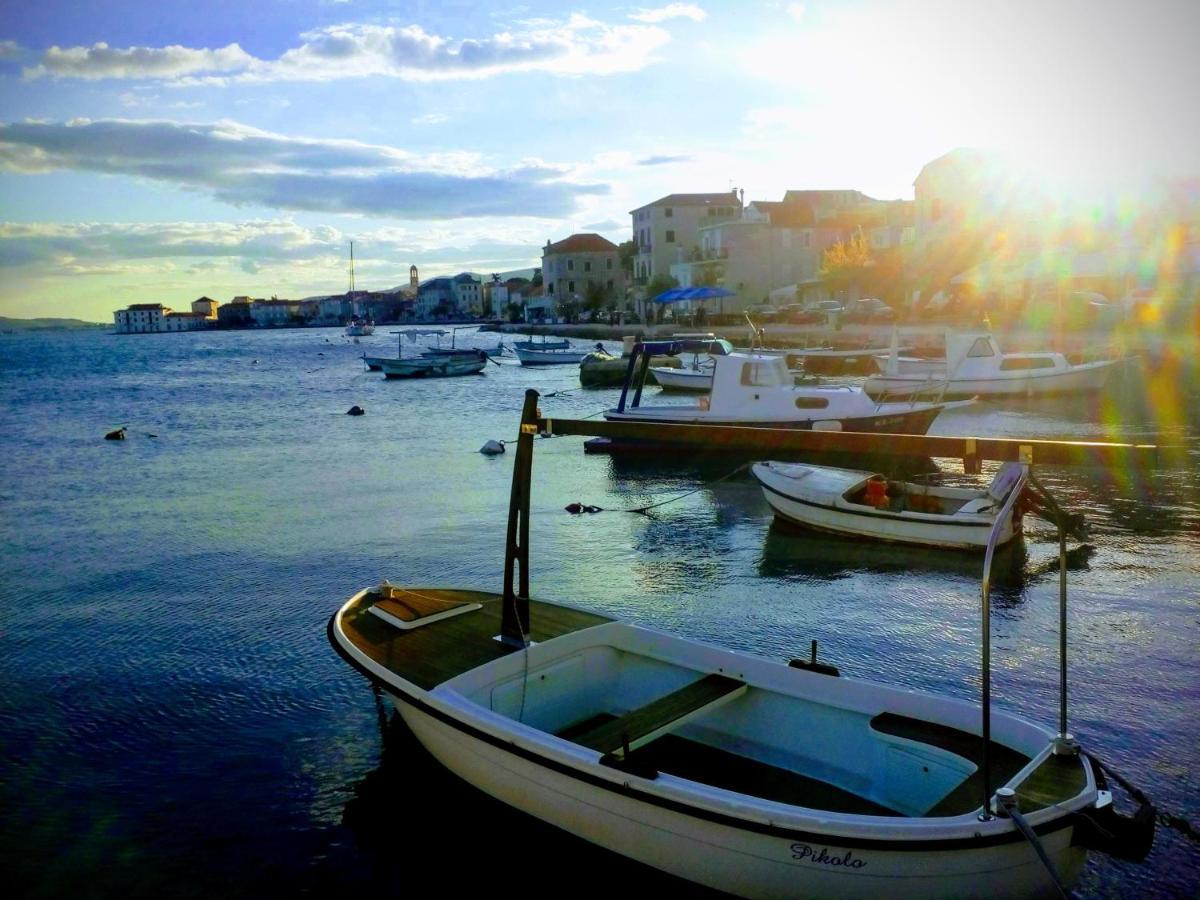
column 514, row 617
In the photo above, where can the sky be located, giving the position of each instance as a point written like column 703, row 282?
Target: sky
column 158, row 152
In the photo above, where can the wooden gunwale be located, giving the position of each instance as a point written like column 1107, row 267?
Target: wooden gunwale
column 434, row 653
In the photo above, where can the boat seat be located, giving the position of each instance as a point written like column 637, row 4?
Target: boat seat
column 977, row 506
column 642, row 725
column 407, row 609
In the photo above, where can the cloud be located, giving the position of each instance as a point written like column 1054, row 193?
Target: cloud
column 662, row 160
column 306, row 257
column 672, row 11
column 244, row 166
column 576, row 46
column 10, row 50
column 101, row 61
column 431, row 119
column 607, row 225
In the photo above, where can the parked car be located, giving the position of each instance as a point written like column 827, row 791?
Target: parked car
column 799, row 314
column 868, row 311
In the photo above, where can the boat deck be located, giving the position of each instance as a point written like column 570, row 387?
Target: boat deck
column 452, row 643
column 441, row 650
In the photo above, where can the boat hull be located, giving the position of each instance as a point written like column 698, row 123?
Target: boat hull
column 682, row 379
column 439, row 367
column 926, row 530
column 550, row 357
column 739, row 857
column 1085, row 378
column 480, row 727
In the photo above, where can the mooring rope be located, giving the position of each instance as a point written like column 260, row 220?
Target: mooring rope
column 1175, row 823
column 577, row 508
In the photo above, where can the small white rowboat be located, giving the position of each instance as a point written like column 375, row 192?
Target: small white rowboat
column 865, row 504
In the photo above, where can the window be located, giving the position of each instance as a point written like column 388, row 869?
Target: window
column 670, row 237
column 570, row 265
column 1026, row 362
column 571, row 287
column 668, row 212
column 609, row 284
column 608, row 264
column 981, row 347
column 587, row 265
column 811, row 403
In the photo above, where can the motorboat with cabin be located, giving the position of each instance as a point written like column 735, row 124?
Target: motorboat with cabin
column 759, row 391
column 870, row 505
column 976, row 366
column 753, row 776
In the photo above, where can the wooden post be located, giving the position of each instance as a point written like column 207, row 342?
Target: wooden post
column 514, row 618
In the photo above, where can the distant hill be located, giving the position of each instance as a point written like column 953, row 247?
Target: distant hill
column 7, row 324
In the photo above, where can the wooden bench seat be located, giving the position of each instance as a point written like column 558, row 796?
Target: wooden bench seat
column 644, row 724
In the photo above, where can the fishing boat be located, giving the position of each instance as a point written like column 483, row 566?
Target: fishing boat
column 543, row 344
column 759, row 391
column 697, row 375
column 976, row 366
column 540, row 357
column 752, row 776
column 360, row 327
column 867, row 504
column 436, row 366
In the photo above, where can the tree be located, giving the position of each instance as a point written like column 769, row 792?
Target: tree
column 594, row 298
column 536, row 281
column 846, row 263
column 709, row 274
column 626, row 251
column 516, row 312
column 659, row 284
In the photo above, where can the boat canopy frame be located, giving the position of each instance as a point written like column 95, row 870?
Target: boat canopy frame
column 515, row 625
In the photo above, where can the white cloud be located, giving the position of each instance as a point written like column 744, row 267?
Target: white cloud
column 576, row 46
column 303, row 258
column 672, row 11
column 431, row 119
column 244, row 166
column 10, row 50
column 167, row 63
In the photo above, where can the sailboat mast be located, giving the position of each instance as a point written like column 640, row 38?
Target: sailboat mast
column 352, row 267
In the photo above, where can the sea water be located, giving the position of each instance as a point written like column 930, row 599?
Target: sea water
column 173, row 721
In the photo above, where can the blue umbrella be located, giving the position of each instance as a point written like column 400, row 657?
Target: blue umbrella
column 693, row 293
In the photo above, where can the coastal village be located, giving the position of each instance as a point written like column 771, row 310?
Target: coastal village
column 978, row 239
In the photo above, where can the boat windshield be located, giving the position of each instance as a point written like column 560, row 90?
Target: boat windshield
column 769, row 372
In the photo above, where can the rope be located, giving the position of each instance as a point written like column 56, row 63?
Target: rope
column 1030, row 835
column 1175, row 823
column 576, row 508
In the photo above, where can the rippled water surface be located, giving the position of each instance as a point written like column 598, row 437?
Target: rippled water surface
column 174, row 723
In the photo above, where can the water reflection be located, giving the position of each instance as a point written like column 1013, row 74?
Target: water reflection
column 411, row 815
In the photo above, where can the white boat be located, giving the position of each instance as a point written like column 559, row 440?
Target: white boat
column 543, row 344
column 867, row 504
column 755, row 390
column 359, row 326
column 976, row 366
column 697, row 376
column 540, row 357
column 748, row 775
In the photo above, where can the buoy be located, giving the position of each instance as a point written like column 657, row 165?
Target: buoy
column 356, row 411
column 118, row 435
column 574, row 508
column 491, row 448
